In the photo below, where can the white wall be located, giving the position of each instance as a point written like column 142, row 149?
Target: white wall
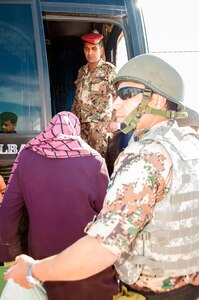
column 172, row 28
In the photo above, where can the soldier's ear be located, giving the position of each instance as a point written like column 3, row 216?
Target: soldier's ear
column 101, row 50
column 157, row 101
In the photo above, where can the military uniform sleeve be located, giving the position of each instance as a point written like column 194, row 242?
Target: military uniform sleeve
column 76, row 106
column 138, row 182
column 102, row 180
column 111, row 76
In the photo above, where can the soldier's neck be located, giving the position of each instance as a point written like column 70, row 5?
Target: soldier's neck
column 92, row 65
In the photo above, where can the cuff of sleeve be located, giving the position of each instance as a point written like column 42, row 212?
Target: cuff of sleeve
column 97, row 230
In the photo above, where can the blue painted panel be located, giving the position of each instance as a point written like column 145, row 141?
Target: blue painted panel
column 98, row 2
column 88, row 7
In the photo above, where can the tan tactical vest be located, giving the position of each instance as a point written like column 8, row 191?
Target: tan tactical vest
column 169, row 244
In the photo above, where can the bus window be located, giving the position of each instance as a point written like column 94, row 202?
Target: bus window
column 19, row 83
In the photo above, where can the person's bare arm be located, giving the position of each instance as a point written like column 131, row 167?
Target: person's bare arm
column 83, row 259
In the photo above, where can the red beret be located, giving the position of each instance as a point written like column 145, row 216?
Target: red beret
column 92, row 38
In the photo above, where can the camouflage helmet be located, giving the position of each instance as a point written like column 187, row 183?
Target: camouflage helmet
column 156, row 74
column 191, row 120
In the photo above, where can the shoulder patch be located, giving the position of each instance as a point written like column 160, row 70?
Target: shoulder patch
column 109, row 65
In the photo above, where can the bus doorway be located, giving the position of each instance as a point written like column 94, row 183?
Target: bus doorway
column 65, row 54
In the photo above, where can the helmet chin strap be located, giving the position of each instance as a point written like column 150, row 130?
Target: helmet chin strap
column 170, row 114
column 130, row 122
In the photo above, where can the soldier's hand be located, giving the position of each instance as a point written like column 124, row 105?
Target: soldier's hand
column 19, row 269
column 113, row 126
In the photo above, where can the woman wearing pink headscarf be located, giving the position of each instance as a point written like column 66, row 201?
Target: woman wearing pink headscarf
column 61, row 182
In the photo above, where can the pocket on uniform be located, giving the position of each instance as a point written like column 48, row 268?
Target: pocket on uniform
column 99, row 85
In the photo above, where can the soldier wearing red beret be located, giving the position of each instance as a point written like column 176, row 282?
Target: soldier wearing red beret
column 94, row 94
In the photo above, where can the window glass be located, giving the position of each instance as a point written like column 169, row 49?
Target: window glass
column 19, row 84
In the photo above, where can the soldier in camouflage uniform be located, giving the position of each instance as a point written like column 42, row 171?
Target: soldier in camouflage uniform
column 149, row 225
column 94, row 94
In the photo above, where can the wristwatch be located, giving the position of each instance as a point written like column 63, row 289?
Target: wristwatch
column 30, row 279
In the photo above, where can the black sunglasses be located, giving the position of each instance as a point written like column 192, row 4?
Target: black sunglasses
column 128, row 92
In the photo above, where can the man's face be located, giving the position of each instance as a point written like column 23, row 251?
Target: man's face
column 124, row 107
column 8, row 127
column 92, row 52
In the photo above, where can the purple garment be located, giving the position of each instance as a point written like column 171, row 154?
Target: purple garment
column 61, row 196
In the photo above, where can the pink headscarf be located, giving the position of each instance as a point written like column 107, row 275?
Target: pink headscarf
column 60, row 139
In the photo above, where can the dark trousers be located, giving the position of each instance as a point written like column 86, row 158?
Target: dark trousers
column 188, row 292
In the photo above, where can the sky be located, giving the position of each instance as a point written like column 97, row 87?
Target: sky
column 172, row 28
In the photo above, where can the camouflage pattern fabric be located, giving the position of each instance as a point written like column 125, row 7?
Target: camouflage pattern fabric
column 93, row 103
column 142, row 177
column 96, row 136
